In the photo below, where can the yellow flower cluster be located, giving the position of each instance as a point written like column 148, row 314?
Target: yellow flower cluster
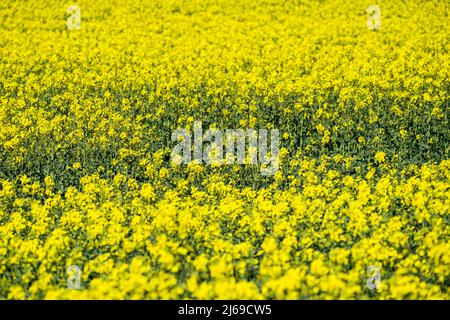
column 86, row 178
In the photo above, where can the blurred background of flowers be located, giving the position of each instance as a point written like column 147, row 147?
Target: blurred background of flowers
column 86, row 118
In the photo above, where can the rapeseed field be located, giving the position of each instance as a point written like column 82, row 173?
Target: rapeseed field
column 93, row 206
